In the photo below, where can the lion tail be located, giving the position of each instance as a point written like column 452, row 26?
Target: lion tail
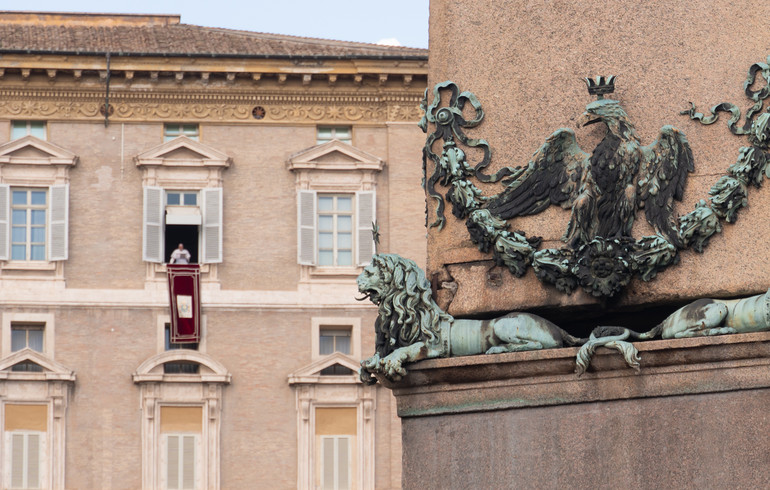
column 570, row 340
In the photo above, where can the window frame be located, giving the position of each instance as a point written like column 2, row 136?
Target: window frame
column 175, row 130
column 29, row 226
column 335, row 213
column 15, row 126
column 334, row 129
column 334, row 168
column 46, row 320
column 317, row 324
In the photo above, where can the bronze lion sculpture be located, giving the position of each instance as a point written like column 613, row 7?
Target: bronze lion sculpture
column 410, row 326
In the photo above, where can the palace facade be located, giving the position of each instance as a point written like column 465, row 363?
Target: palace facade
column 268, row 157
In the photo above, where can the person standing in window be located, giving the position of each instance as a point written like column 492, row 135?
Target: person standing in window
column 180, row 255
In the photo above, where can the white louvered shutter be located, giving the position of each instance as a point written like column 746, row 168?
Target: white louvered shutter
column 172, row 462
column 212, row 225
column 5, row 213
column 152, row 248
column 188, row 462
column 58, row 227
column 181, row 471
column 26, row 450
column 365, row 204
column 17, row 460
column 306, row 232
column 33, row 460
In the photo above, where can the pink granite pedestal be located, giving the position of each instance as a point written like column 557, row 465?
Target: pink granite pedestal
column 697, row 415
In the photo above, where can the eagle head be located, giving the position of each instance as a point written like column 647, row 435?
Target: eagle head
column 610, row 113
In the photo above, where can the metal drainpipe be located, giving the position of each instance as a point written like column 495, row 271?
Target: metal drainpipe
column 107, row 95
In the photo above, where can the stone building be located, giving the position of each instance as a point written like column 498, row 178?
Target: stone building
column 268, row 157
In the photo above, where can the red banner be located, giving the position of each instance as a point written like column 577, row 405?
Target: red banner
column 184, row 294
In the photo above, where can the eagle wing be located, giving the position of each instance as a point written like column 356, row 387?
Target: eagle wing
column 553, row 176
column 665, row 165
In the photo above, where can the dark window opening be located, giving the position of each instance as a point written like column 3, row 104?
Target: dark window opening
column 336, row 370
column 184, row 234
column 27, row 367
column 179, row 367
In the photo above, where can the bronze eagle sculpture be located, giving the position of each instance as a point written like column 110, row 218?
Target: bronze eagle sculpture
column 605, row 188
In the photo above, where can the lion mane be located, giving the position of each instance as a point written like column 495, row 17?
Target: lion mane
column 407, row 312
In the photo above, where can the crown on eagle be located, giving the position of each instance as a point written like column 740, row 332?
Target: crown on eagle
column 600, row 85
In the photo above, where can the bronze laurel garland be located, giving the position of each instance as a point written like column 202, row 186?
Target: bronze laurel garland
column 602, row 266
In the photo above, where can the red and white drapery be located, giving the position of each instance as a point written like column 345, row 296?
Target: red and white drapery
column 184, row 296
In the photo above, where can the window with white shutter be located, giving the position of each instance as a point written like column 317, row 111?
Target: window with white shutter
column 152, row 249
column 58, row 225
column 335, row 230
column 366, row 215
column 181, row 461
column 335, row 462
column 26, row 453
column 306, row 217
column 5, row 212
column 212, row 225
column 192, row 218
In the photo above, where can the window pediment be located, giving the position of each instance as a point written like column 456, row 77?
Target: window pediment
column 52, row 370
column 310, row 374
column 212, row 371
column 334, row 155
column 30, row 150
column 183, row 152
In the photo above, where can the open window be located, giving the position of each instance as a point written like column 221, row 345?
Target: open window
column 183, row 202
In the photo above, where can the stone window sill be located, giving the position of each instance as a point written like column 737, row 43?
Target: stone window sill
column 19, row 265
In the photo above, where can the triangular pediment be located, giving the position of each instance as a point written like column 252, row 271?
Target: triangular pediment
column 334, row 155
column 183, row 152
column 51, row 370
column 30, row 150
column 311, row 372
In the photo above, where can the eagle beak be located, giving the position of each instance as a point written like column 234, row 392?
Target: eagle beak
column 587, row 118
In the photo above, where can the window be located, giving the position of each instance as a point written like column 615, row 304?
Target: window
column 179, row 367
column 335, row 429
column 336, row 205
column 336, row 229
column 38, row 223
column 181, row 419
column 335, row 462
column 192, row 218
column 333, row 340
column 183, row 220
column 25, row 440
column 27, row 336
column 28, row 218
column 180, row 429
column 324, row 134
column 20, row 129
column 171, row 131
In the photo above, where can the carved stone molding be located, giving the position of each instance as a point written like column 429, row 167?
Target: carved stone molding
column 290, row 107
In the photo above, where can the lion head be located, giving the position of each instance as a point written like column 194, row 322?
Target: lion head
column 407, row 312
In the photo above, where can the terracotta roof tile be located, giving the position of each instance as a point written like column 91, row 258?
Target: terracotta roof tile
column 184, row 39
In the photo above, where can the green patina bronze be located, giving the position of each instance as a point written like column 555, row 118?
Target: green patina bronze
column 603, row 190
column 411, row 327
